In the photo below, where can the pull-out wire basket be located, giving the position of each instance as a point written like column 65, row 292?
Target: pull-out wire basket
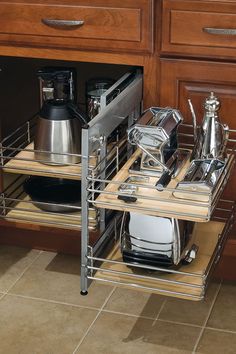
column 105, row 192
column 17, row 155
column 184, row 281
column 16, row 205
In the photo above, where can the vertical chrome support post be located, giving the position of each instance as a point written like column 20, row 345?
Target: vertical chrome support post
column 84, row 211
column 103, row 152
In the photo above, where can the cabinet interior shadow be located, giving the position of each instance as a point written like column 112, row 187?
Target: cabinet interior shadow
column 19, row 86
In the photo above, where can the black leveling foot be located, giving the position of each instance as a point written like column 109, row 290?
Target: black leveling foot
column 83, row 293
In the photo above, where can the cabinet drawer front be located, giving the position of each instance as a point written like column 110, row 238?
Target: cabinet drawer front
column 77, row 26
column 199, row 29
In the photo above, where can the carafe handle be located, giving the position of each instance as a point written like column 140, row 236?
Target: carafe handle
column 194, row 120
column 77, row 114
column 225, row 135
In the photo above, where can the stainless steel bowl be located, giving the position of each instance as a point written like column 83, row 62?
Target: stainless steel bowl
column 54, row 194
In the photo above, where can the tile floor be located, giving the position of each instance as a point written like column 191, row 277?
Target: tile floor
column 42, row 312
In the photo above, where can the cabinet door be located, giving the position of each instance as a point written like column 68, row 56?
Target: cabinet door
column 184, row 79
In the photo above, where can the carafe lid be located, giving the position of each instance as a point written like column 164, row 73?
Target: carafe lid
column 212, row 103
column 56, row 110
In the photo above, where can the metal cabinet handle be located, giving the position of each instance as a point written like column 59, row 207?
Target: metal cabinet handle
column 220, row 31
column 62, row 23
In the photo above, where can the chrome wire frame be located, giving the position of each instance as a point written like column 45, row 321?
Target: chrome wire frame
column 95, row 263
column 158, row 278
column 19, row 141
column 97, row 186
column 14, row 194
column 94, row 183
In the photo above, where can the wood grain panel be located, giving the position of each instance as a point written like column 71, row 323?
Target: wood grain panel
column 107, row 26
column 183, row 28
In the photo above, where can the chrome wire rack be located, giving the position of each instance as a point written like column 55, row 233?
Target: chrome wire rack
column 188, row 282
column 15, row 205
column 105, row 192
column 213, row 217
column 104, row 168
column 17, row 155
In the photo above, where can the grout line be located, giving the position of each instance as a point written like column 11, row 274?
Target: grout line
column 221, row 330
column 159, row 312
column 99, row 312
column 207, row 318
column 52, row 301
column 129, row 314
column 2, row 295
column 180, row 323
column 161, row 308
column 24, row 271
column 153, row 319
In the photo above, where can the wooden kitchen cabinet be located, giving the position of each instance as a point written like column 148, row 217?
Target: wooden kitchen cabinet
column 199, row 28
column 113, row 33
column 182, row 79
column 98, row 25
column 124, row 33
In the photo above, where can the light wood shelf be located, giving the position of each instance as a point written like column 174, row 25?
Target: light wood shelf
column 24, row 163
column 153, row 202
column 29, row 213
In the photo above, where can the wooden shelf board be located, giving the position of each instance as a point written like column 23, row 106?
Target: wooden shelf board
column 166, row 205
column 29, row 167
column 33, row 215
column 206, row 236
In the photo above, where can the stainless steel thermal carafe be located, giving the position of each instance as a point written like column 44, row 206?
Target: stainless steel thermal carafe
column 58, row 134
column 213, row 135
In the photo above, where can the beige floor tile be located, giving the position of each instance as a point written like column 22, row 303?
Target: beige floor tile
column 135, row 303
column 56, row 277
column 13, row 261
column 194, row 312
column 216, row 342
column 38, row 327
column 119, row 334
column 223, row 315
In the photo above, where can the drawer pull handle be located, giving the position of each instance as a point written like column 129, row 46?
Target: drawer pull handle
column 220, row 31
column 62, row 23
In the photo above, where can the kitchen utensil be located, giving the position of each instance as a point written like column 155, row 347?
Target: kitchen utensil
column 128, row 188
column 213, row 135
column 57, row 83
column 194, row 118
column 165, row 178
column 95, row 88
column 158, row 141
column 175, row 164
column 155, row 241
column 54, row 194
column 201, row 177
column 58, row 133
